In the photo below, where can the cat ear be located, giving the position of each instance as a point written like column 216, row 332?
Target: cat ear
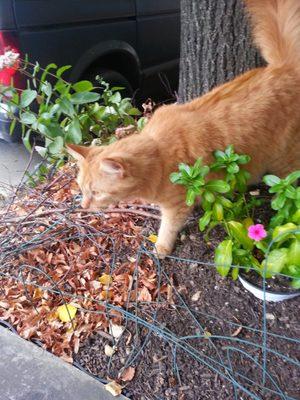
column 78, row 152
column 112, row 167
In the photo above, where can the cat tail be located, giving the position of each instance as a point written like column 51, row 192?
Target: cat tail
column 276, row 25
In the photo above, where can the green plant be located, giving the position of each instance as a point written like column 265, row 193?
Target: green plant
column 286, row 201
column 62, row 112
column 222, row 200
column 271, row 252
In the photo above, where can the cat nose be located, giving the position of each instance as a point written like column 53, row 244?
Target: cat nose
column 86, row 201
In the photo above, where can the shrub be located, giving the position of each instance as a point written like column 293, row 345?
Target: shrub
column 270, row 251
column 61, row 112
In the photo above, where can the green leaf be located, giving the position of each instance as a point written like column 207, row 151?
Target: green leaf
column 220, row 155
column 61, row 70
column 41, row 150
column 296, row 217
column 205, row 220
column 204, row 170
column 27, row 118
column 229, row 150
column 115, row 98
column 223, row 257
column 262, row 246
column 218, row 186
column 225, row 202
column 233, row 168
column 27, row 97
column 271, row 180
column 134, row 111
column 185, row 169
column 279, row 187
column 62, row 87
column 26, row 140
column 198, row 163
column 239, row 233
column 74, row 134
column 291, row 178
column 12, row 126
column 142, row 123
column 83, row 86
column 275, row 262
column 175, row 177
column 50, row 130
column 66, row 106
column 235, row 273
column 294, row 253
column 190, row 197
column 278, row 201
column 244, row 159
column 218, row 211
column 56, row 146
column 46, row 72
column 290, row 192
column 206, row 205
column 46, row 88
column 84, row 97
column 295, row 283
column 209, row 196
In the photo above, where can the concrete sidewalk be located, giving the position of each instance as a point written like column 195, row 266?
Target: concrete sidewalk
column 13, row 161
column 28, row 372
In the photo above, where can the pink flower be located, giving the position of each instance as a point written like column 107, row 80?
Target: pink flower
column 257, row 232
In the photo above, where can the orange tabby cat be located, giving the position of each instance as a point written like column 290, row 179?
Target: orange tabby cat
column 258, row 112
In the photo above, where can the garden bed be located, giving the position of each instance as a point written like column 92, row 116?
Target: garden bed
column 53, row 253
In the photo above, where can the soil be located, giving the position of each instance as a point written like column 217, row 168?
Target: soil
column 228, row 321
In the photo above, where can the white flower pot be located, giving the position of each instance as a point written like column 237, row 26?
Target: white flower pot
column 268, row 295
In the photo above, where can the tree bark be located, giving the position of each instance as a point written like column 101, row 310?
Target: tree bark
column 216, row 45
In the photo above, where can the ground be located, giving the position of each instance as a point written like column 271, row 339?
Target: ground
column 13, row 161
column 188, row 333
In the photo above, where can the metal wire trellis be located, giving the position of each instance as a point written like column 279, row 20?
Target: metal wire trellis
column 49, row 223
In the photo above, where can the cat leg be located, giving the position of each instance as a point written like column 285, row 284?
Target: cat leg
column 172, row 220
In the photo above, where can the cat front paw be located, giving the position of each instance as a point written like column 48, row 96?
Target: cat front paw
column 162, row 251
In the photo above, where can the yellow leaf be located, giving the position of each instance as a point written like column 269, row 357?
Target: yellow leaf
column 113, row 388
column 248, row 222
column 105, row 279
column 207, row 334
column 66, row 312
column 152, row 238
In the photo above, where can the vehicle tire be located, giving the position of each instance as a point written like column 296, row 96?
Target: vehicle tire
column 114, row 78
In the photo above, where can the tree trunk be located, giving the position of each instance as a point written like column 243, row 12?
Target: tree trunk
column 216, row 45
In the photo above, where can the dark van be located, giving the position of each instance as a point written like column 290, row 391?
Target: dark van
column 131, row 43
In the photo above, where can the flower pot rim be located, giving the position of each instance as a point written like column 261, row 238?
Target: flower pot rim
column 267, row 295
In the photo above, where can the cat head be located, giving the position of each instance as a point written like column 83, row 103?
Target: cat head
column 106, row 175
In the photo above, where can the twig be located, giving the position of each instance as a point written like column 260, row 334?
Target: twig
column 79, row 210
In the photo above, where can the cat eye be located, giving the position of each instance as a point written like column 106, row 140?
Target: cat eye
column 94, row 192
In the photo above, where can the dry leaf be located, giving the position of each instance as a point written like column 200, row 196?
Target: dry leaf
column 144, row 295
column 113, row 388
column 128, row 374
column 66, row 312
column 106, row 295
column 108, row 350
column 116, row 330
column 196, row 296
column 105, row 279
column 152, row 238
column 237, row 331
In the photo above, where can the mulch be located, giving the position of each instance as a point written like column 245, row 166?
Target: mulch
column 54, row 253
